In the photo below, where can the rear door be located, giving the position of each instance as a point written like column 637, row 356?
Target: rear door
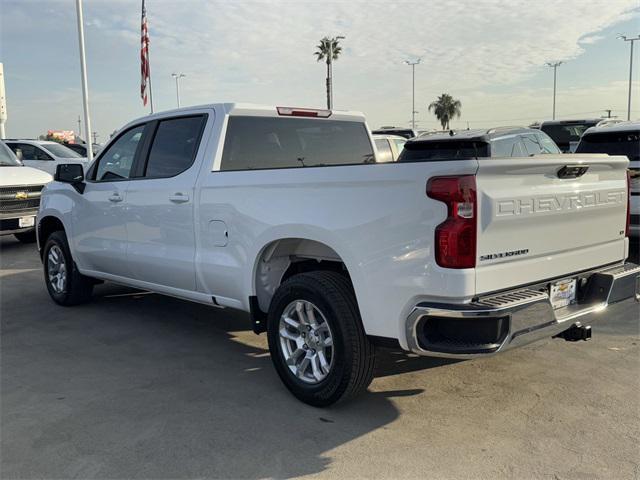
column 160, row 213
column 537, row 221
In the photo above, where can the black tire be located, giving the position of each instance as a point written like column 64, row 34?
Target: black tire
column 353, row 354
column 77, row 288
column 26, row 237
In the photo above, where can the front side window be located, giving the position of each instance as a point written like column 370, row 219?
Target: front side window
column 399, row 144
column 7, row 157
column 532, row 145
column 506, row 147
column 117, row 161
column 272, row 142
column 384, row 150
column 26, row 151
column 174, row 146
column 548, row 145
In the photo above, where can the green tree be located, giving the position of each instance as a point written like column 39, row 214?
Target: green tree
column 328, row 49
column 446, row 108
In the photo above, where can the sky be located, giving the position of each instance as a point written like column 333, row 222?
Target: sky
column 489, row 54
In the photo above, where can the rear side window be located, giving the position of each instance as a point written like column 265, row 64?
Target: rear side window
column 384, row 150
column 253, row 143
column 174, row 146
column 422, row 151
column 613, row 143
column 532, row 145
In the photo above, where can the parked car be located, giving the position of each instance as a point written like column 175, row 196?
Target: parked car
column 44, row 155
column 280, row 212
column 402, row 132
column 388, row 147
column 567, row 133
column 20, row 189
column 81, row 148
column 621, row 138
column 495, row 143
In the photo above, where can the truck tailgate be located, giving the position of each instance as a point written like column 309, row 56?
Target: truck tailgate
column 536, row 223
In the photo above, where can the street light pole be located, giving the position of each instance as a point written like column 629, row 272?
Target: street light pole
column 83, row 73
column 555, row 66
column 631, row 40
column 178, row 76
column 330, row 78
column 413, row 90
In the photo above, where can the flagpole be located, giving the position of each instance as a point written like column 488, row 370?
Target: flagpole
column 149, row 68
column 83, row 72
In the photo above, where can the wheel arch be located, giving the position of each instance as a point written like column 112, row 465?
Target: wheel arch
column 280, row 258
column 46, row 226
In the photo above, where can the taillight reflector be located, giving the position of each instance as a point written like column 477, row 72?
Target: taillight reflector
column 456, row 237
column 303, row 112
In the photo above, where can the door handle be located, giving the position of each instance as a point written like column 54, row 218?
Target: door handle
column 179, row 197
column 115, row 198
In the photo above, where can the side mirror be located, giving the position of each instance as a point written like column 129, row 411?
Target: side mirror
column 72, row 173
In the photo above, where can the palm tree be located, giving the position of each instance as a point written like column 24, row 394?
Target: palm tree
column 445, row 108
column 328, row 49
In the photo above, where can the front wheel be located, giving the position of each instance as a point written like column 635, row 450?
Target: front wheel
column 317, row 342
column 66, row 285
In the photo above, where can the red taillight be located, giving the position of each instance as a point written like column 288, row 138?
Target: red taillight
column 628, row 224
column 455, row 240
column 303, row 112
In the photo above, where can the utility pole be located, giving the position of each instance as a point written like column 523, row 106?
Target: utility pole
column 3, row 104
column 83, row 73
column 95, row 137
column 413, row 90
column 631, row 40
column 79, row 127
column 555, row 66
column 608, row 113
column 178, row 76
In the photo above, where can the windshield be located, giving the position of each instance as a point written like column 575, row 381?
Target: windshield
column 60, row 150
column 7, row 158
column 613, row 143
column 422, row 151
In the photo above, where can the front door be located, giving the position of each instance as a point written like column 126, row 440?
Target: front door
column 160, row 213
column 100, row 233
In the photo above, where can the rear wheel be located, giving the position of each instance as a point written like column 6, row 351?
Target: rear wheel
column 26, row 237
column 317, row 342
column 66, row 285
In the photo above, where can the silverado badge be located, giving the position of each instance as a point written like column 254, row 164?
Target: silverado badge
column 22, row 195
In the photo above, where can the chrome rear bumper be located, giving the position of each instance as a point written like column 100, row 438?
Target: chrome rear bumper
column 505, row 320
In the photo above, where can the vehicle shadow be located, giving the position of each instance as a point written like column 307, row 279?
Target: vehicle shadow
column 138, row 385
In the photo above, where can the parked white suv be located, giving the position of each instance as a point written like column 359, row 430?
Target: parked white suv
column 20, row 189
column 620, row 138
column 44, row 155
column 284, row 213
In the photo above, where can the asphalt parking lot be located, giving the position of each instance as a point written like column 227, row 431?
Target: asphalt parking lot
column 137, row 385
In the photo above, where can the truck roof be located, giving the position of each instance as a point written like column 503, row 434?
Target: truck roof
column 480, row 135
column 633, row 125
column 250, row 109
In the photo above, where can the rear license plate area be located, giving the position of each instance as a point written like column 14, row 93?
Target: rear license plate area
column 562, row 293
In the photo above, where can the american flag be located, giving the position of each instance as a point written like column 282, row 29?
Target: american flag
column 144, row 57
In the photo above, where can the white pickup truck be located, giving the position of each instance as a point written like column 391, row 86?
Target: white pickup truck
column 285, row 213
